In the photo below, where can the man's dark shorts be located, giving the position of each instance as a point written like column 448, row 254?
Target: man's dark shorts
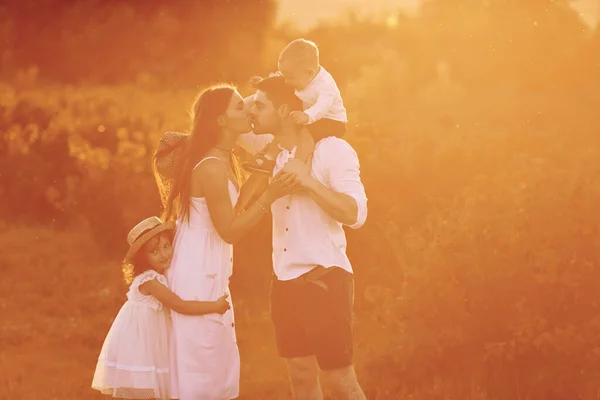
column 315, row 318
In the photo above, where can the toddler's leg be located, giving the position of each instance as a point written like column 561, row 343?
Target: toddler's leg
column 272, row 151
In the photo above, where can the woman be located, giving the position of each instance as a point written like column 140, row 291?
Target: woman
column 205, row 360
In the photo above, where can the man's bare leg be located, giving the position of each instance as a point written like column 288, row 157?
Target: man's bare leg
column 304, row 377
column 344, row 383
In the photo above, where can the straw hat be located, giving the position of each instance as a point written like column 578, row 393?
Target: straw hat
column 143, row 232
column 169, row 151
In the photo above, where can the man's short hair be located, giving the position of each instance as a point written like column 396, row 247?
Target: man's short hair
column 301, row 52
column 280, row 93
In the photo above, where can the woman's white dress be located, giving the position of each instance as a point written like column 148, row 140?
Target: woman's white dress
column 205, row 361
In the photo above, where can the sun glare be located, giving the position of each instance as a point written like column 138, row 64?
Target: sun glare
column 392, row 21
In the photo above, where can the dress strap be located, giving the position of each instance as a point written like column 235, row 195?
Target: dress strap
column 207, row 158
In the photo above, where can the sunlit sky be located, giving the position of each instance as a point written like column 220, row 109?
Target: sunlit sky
column 306, row 13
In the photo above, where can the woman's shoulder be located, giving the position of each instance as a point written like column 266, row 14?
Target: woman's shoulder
column 210, row 167
column 209, row 164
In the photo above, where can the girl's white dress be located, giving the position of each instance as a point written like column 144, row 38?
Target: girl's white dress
column 134, row 360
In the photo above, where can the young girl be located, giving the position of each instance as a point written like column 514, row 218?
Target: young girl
column 134, row 360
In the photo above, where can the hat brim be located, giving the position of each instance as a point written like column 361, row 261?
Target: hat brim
column 137, row 245
column 169, row 152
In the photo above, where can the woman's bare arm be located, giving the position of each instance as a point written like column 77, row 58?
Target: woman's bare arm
column 214, row 181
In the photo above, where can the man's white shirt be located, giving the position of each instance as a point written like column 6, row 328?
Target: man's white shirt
column 304, row 235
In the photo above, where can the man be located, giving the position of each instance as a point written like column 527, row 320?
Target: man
column 313, row 286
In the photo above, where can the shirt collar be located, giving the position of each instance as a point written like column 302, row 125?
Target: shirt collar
column 292, row 151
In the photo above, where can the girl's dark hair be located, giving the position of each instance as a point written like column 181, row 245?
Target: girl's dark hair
column 204, row 135
column 139, row 263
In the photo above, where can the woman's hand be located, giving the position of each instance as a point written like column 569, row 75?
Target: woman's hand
column 300, row 171
column 281, row 185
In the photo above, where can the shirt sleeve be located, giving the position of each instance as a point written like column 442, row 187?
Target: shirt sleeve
column 344, row 174
column 253, row 143
column 325, row 98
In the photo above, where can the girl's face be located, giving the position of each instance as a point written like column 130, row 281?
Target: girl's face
column 158, row 252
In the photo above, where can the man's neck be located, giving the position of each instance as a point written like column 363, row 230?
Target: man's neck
column 300, row 139
column 288, row 137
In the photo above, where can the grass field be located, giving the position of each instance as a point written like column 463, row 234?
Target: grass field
column 57, row 305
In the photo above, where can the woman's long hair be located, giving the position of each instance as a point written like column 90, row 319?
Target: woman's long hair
column 204, row 134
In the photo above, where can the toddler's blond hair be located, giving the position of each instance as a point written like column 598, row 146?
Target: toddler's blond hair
column 302, row 53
